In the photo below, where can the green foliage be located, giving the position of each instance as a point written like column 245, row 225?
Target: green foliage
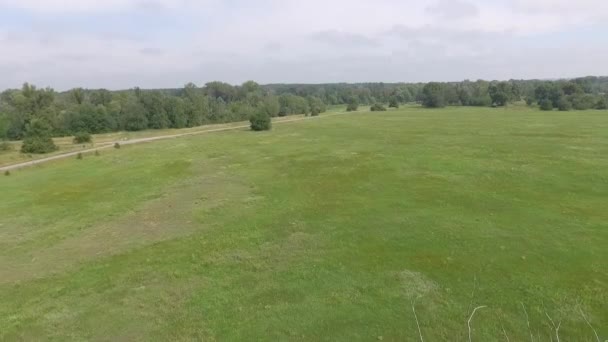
column 7, row 173
column 38, row 138
column 82, row 138
column 270, row 106
column 293, row 104
column 134, row 116
column 97, row 154
column 546, row 104
column 79, row 156
column 377, row 107
column 117, row 146
column 353, row 104
column 260, row 121
column 500, row 93
column 393, row 102
column 314, row 111
column 564, row 104
column 602, row 103
column 433, row 95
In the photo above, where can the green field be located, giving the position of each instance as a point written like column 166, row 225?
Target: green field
column 321, row 229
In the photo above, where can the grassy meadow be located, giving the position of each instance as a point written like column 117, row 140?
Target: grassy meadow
column 327, row 229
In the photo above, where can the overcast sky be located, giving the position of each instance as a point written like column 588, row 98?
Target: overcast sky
column 167, row 43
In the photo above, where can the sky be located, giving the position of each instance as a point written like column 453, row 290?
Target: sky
column 118, row 44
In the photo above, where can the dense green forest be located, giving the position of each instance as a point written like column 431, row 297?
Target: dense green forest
column 37, row 114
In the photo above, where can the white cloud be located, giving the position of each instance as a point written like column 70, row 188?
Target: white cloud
column 293, row 40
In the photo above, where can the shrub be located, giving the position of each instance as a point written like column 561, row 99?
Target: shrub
column 79, row 156
column 601, row 104
column 7, row 173
column 116, row 145
column 97, row 153
column 315, row 111
column 378, row 107
column 564, row 105
column 260, row 122
column 352, row 107
column 82, row 137
column 529, row 101
column 546, row 105
column 5, row 146
column 38, row 145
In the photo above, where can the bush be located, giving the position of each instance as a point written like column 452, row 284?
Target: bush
column 97, row 153
column 352, row 107
column 601, row 104
column 116, row 145
column 564, row 105
column 7, row 173
column 377, row 107
column 260, row 122
column 82, row 137
column 546, row 105
column 315, row 111
column 5, row 146
column 529, row 101
column 38, row 145
column 79, row 156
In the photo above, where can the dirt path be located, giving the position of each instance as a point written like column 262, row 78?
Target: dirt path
column 142, row 140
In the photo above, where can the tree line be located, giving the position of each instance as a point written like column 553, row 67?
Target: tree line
column 37, row 114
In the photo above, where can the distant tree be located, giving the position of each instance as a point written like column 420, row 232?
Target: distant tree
column 82, row 138
column 270, row 106
column 353, row 104
column 499, row 94
column 101, row 97
column 583, row 101
column 546, row 104
column 314, row 111
column 602, row 103
column 378, row 107
column 78, row 95
column 134, row 116
column 38, row 137
column 393, row 102
column 564, row 104
column 433, row 95
column 260, row 121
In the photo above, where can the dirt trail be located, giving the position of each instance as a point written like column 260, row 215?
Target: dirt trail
column 142, row 140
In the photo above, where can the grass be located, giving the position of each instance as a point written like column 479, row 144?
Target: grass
column 318, row 230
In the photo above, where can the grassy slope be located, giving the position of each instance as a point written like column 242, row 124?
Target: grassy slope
column 322, row 229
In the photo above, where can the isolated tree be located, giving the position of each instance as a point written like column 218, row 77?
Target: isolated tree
column 38, row 137
column 260, row 121
column 433, row 95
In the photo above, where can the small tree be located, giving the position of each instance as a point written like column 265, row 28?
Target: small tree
column 38, row 138
column 314, row 111
column 546, row 104
column 116, row 146
column 353, row 105
column 378, row 107
column 260, row 121
column 393, row 103
column 82, row 138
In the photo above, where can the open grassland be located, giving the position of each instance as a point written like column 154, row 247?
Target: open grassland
column 319, row 230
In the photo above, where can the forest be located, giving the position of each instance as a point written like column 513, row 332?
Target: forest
column 35, row 115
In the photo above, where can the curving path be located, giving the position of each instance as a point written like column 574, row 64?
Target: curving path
column 142, row 140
